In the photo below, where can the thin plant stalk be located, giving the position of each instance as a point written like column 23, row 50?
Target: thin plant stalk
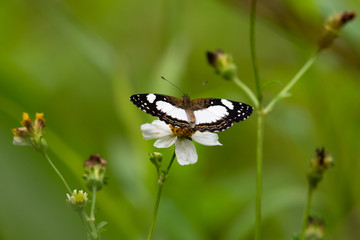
column 285, row 91
column 162, row 176
column 247, row 90
column 306, row 213
column 259, row 160
column 260, row 127
column 156, row 207
column 252, row 49
column 92, row 210
column 84, row 217
column 170, row 164
column 91, row 220
column 90, row 226
column 57, row 171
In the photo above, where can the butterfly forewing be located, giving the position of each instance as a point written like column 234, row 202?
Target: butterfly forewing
column 167, row 108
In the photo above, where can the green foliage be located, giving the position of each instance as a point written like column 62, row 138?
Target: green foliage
column 79, row 61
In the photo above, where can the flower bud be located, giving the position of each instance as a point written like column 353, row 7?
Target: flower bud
column 156, row 159
column 223, row 64
column 32, row 133
column 318, row 166
column 333, row 26
column 314, row 229
column 94, row 172
column 77, row 200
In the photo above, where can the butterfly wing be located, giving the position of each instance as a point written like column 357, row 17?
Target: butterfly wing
column 215, row 115
column 167, row 108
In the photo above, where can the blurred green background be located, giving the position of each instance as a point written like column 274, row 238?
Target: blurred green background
column 79, row 61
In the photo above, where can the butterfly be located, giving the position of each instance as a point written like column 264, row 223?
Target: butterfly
column 203, row 114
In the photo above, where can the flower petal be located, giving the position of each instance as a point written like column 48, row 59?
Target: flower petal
column 19, row 141
column 185, row 152
column 165, row 142
column 156, row 129
column 206, row 138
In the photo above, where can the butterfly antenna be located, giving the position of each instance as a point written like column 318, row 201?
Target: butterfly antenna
column 173, row 85
column 199, row 86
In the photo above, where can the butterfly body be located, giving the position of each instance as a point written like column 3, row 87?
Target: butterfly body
column 202, row 114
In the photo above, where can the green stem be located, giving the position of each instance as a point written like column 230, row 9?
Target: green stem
column 84, row 218
column 91, row 220
column 259, row 159
column 170, row 164
column 57, row 171
column 260, row 123
column 306, row 214
column 285, row 91
column 252, row 49
column 92, row 210
column 156, row 207
column 162, row 176
column 247, row 90
column 90, row 226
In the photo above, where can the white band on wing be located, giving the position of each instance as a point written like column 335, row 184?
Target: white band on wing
column 210, row 114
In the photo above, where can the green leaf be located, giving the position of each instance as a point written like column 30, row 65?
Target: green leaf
column 100, row 226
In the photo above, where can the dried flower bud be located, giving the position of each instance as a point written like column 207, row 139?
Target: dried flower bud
column 318, row 166
column 223, row 64
column 77, row 200
column 314, row 229
column 333, row 26
column 32, row 133
column 94, row 160
column 94, row 172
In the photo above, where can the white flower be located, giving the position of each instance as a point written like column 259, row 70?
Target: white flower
column 77, row 199
column 167, row 135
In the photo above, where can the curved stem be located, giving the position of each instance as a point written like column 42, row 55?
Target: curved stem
column 285, row 91
column 57, row 171
column 306, row 214
column 162, row 176
column 259, row 159
column 247, row 90
column 252, row 49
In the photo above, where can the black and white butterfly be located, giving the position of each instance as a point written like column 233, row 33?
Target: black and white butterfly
column 203, row 114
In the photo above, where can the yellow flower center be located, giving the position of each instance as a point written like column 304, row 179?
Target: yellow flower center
column 80, row 198
column 182, row 132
